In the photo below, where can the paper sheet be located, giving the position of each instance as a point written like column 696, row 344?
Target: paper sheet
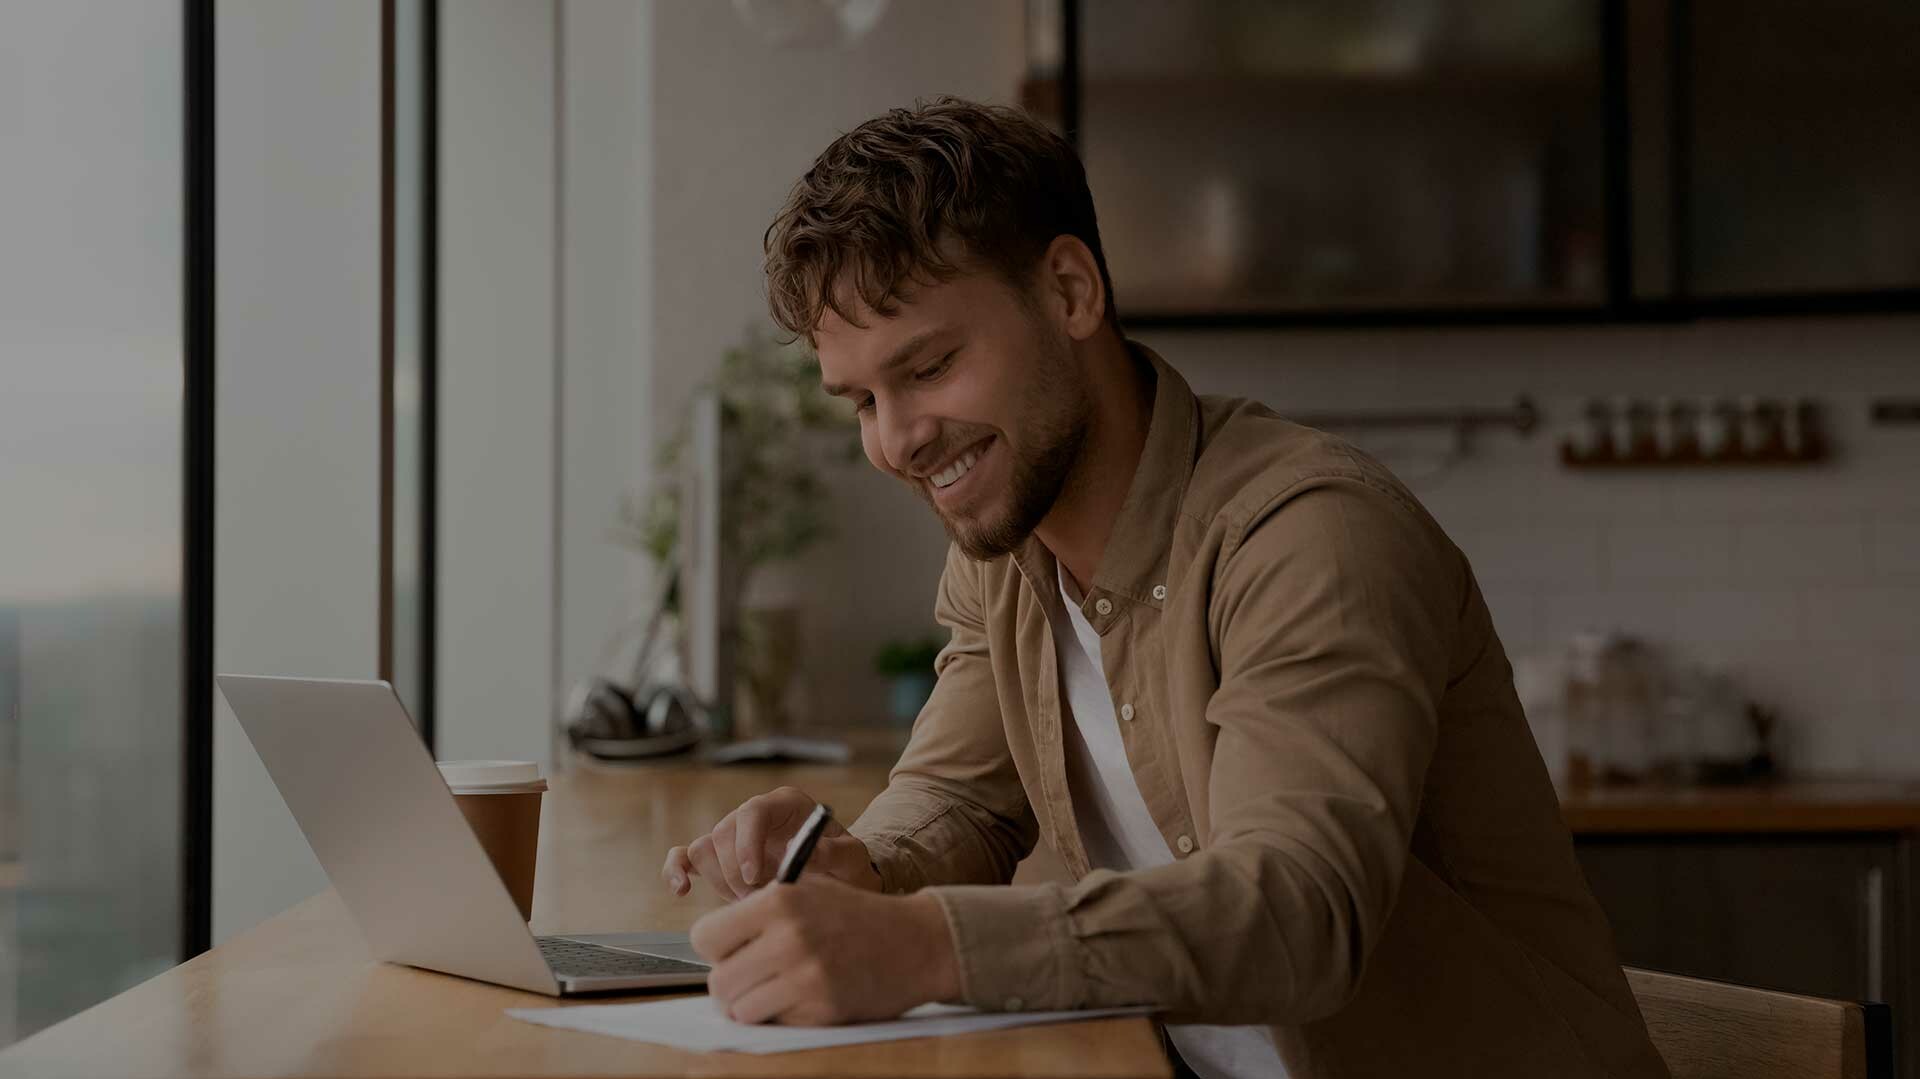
column 696, row 1023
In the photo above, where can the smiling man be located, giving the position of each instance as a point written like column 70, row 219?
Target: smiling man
column 1227, row 666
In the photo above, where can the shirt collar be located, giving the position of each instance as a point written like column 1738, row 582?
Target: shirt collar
column 1134, row 565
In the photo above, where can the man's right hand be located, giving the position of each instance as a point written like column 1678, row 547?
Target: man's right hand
column 743, row 851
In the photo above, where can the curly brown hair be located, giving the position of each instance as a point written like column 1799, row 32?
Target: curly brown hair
column 921, row 195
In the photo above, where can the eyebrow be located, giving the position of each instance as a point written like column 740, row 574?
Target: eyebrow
column 901, row 356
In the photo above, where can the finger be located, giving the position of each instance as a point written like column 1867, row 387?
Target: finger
column 753, row 821
column 811, row 1010
column 723, row 852
column 750, row 965
column 707, row 865
column 678, row 871
column 765, row 826
column 771, row 998
column 720, row 933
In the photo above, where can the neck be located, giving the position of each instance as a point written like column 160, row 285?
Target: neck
column 1081, row 521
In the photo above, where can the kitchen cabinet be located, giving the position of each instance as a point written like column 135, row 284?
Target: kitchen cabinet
column 1825, row 914
column 1323, row 161
column 1804, row 130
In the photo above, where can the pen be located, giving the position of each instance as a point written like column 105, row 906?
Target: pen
column 800, row 847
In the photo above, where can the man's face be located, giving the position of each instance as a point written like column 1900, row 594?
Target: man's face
column 970, row 397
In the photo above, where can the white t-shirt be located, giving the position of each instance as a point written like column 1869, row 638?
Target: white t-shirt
column 1119, row 832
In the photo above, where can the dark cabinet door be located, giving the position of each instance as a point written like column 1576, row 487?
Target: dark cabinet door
column 1266, row 162
column 1824, row 915
column 1802, row 172
column 1274, row 158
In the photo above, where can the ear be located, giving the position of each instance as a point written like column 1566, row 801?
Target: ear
column 1070, row 281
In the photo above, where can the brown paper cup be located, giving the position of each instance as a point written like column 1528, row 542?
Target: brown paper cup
column 506, row 820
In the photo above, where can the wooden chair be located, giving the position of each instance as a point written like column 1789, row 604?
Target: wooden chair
column 1718, row 1030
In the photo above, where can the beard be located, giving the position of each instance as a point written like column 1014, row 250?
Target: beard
column 1054, row 423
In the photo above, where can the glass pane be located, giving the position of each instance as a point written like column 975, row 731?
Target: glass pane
column 90, row 478
column 408, row 374
column 1255, row 156
column 1806, row 161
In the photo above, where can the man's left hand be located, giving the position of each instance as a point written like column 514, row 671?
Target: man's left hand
column 820, row 952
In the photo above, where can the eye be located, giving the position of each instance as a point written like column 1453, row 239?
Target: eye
column 935, row 369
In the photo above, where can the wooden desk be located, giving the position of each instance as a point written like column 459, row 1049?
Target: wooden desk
column 299, row 995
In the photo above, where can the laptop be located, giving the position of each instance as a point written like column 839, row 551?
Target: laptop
column 386, row 829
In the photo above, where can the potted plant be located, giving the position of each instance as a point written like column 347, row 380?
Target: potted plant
column 907, row 665
column 780, row 431
column 778, row 427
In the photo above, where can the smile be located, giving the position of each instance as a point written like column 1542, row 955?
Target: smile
column 956, row 471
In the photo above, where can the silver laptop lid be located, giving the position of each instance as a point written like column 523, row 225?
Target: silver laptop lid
column 371, row 803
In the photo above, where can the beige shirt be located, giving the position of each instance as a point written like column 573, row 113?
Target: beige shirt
column 1369, row 857
column 1117, row 829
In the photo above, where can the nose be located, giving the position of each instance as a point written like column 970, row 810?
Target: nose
column 902, row 433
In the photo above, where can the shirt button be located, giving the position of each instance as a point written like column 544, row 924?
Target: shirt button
column 1103, row 605
column 1126, row 711
column 1185, row 843
column 1014, row 1004
column 1159, row 591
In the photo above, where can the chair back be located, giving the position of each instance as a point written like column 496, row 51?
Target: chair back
column 1718, row 1030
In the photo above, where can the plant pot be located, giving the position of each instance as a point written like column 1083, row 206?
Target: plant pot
column 906, row 695
column 769, row 656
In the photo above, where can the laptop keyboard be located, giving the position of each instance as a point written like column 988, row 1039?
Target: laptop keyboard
column 571, row 958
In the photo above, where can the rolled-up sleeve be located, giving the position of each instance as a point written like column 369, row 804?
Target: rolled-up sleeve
column 1333, row 611
column 954, row 811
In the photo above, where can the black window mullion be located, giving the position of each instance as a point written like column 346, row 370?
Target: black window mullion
column 429, row 285
column 197, row 484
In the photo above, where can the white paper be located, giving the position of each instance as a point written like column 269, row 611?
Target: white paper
column 696, row 1023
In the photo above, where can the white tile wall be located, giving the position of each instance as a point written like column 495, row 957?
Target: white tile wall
column 1897, row 677
column 1537, row 553
column 1638, row 551
column 1877, row 614
column 1643, row 612
column 1811, row 552
column 1804, row 585
column 1756, row 613
column 1894, row 543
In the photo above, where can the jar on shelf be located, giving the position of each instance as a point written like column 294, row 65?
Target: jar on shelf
column 1719, row 428
column 1627, row 424
column 1681, row 424
column 1766, row 427
column 1594, row 440
column 1721, row 431
column 1800, row 429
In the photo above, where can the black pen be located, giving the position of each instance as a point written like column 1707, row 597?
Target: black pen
column 800, row 847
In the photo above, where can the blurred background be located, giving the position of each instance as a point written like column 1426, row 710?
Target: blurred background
column 360, row 338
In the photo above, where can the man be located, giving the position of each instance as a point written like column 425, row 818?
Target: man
column 1229, row 667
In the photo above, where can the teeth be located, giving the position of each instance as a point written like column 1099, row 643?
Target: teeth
column 950, row 475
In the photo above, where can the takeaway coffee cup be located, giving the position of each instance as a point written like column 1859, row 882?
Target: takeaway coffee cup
column 502, row 802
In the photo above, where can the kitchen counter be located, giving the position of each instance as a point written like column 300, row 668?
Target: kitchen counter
column 1827, row 805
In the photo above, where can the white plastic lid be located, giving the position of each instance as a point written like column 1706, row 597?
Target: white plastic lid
column 490, row 775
